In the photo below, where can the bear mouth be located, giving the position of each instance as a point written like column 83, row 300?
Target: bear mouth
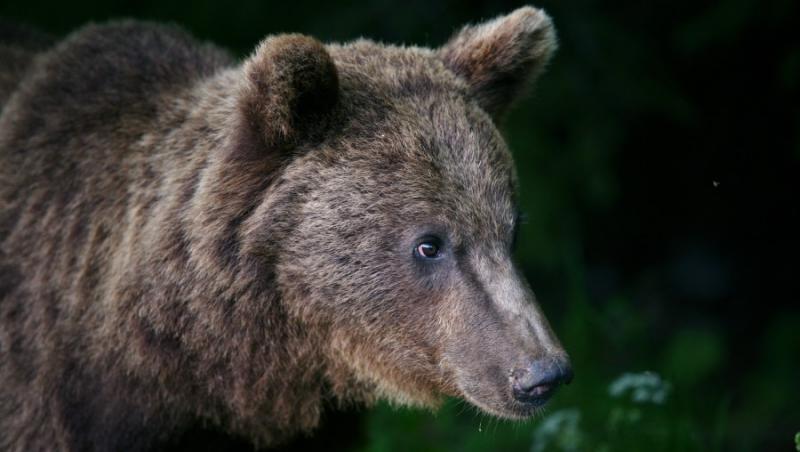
column 506, row 406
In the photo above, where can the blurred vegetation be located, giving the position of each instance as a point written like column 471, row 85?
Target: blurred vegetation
column 659, row 162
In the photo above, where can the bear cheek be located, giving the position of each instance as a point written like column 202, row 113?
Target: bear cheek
column 382, row 335
column 405, row 340
column 395, row 353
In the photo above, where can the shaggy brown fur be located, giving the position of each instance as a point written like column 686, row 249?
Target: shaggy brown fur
column 188, row 241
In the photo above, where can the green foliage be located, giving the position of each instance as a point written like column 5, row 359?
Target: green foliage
column 693, row 355
column 646, row 387
column 560, row 430
column 633, row 419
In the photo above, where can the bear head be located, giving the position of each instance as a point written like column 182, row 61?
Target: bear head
column 391, row 220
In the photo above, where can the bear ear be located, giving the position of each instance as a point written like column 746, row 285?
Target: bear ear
column 500, row 57
column 290, row 89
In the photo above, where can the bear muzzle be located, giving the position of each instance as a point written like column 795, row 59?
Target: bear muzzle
column 533, row 384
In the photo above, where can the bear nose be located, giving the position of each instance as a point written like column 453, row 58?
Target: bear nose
column 537, row 382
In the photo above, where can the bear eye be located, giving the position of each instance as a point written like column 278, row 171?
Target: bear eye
column 429, row 249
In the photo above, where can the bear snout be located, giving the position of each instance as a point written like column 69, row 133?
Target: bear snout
column 535, row 383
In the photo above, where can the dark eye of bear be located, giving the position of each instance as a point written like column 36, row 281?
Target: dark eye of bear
column 428, row 250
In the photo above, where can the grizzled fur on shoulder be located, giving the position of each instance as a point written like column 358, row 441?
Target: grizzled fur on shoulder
column 185, row 240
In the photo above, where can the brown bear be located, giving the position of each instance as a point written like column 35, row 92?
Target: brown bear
column 186, row 240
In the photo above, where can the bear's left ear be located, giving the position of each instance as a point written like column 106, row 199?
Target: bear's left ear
column 498, row 58
column 289, row 91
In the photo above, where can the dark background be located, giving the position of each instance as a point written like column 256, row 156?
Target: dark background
column 659, row 160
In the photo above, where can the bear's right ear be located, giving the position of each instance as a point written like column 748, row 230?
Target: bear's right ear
column 289, row 91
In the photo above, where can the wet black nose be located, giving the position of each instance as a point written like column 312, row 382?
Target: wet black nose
column 537, row 382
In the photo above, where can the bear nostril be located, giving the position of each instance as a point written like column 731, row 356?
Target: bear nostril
column 537, row 382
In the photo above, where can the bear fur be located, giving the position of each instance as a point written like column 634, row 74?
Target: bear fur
column 187, row 240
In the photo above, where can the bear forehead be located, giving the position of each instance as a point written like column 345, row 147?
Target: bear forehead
column 386, row 71
column 416, row 139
